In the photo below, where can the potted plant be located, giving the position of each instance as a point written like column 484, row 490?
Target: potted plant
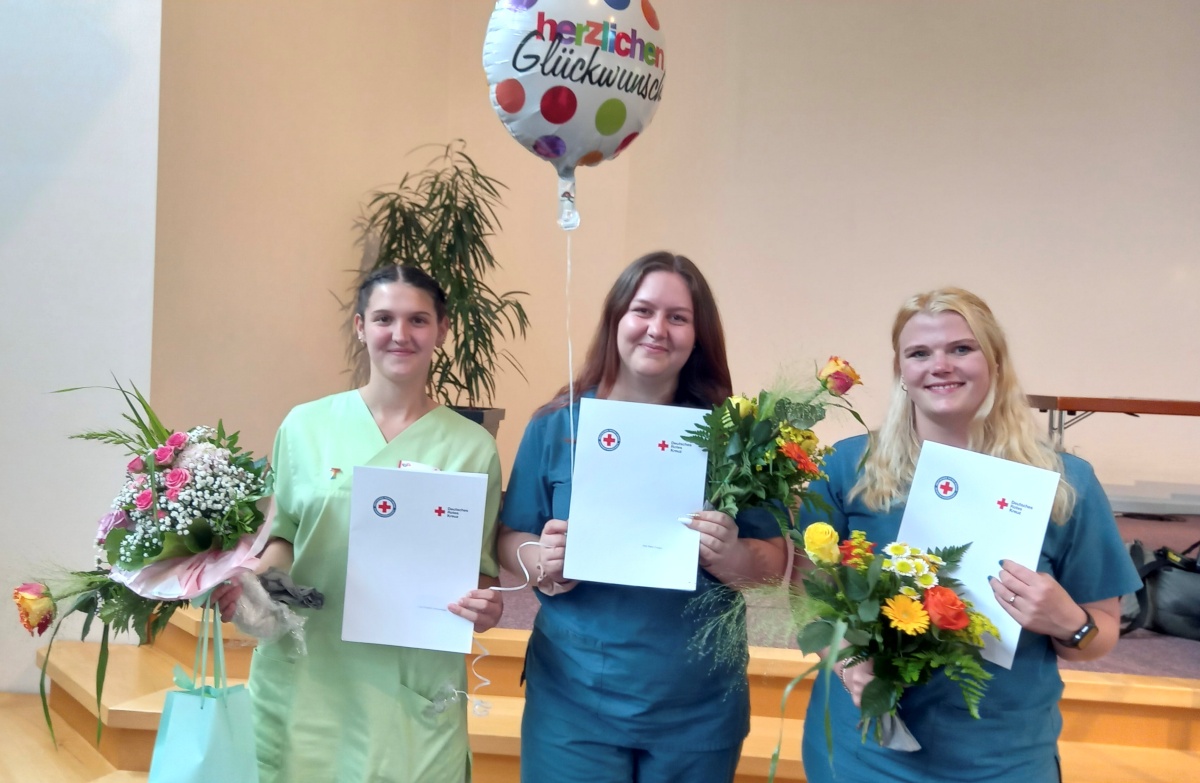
column 440, row 219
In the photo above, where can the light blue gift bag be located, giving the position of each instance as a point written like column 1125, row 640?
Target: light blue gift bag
column 206, row 733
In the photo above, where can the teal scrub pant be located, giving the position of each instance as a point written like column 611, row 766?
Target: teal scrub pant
column 556, row 757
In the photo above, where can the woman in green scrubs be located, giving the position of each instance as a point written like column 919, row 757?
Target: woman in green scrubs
column 349, row 712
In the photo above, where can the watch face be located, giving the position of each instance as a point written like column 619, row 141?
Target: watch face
column 1085, row 635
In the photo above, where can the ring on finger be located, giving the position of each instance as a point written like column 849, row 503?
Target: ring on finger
column 1012, row 599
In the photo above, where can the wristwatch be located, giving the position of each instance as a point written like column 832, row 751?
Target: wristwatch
column 1083, row 637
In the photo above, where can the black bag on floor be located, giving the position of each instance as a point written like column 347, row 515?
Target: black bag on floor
column 1169, row 599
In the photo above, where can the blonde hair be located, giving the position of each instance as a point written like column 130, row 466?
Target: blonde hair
column 1003, row 426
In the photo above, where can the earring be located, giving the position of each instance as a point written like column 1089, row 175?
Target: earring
column 903, row 387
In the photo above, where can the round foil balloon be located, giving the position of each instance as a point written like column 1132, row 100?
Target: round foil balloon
column 574, row 81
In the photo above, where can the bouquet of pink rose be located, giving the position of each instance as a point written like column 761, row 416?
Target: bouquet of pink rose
column 185, row 519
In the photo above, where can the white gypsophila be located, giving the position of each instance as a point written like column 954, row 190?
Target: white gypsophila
column 216, row 486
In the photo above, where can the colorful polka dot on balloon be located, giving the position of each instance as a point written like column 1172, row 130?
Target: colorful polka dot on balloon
column 648, row 12
column 510, row 95
column 625, row 143
column 558, row 105
column 617, row 5
column 593, row 158
column 610, row 117
column 549, row 147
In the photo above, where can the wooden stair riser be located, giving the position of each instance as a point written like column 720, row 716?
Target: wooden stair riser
column 125, row 749
column 1132, row 725
column 181, row 645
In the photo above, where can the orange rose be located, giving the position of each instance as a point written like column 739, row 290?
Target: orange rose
column 35, row 606
column 946, row 609
column 838, row 376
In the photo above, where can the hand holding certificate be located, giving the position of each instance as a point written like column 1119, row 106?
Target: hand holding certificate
column 999, row 507
column 634, row 479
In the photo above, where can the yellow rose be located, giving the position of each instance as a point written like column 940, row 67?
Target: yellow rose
column 35, row 607
column 821, row 544
column 838, row 376
column 745, row 406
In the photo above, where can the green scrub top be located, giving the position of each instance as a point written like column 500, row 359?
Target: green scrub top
column 349, row 711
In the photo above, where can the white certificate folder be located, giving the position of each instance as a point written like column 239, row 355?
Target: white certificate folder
column 634, row 479
column 997, row 506
column 415, row 538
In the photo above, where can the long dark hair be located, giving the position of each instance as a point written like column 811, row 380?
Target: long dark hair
column 703, row 379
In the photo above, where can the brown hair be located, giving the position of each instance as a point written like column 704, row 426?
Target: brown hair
column 703, row 379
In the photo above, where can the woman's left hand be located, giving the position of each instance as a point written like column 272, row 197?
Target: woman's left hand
column 482, row 607
column 1036, row 601
column 718, row 537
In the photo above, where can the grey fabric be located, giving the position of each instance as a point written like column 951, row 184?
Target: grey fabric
column 280, row 587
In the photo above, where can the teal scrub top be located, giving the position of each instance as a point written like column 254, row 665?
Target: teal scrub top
column 349, row 711
column 1016, row 738
column 616, row 664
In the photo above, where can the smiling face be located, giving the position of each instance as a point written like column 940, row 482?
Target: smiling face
column 656, row 334
column 945, row 370
column 400, row 329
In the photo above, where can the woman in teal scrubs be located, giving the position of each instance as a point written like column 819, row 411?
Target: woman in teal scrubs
column 955, row 384
column 613, row 692
column 363, row 712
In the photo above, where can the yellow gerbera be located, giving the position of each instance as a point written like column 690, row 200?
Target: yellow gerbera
column 906, row 614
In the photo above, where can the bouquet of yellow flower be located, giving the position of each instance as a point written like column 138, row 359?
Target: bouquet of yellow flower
column 762, row 450
column 899, row 608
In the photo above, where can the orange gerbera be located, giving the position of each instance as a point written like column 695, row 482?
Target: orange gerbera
column 797, row 454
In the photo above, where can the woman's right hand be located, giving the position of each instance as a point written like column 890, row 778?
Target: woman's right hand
column 855, row 677
column 551, row 554
column 225, row 596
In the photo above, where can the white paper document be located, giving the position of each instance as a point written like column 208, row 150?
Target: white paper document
column 415, row 537
column 998, row 507
column 634, row 478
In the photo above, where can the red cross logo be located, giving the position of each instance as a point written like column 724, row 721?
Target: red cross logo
column 439, row 511
column 608, row 439
column 662, row 445
column 1002, row 503
column 946, row 487
column 384, row 506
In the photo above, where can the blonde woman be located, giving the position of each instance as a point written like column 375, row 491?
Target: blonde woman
column 954, row 384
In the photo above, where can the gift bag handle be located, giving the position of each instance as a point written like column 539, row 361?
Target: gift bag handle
column 200, row 662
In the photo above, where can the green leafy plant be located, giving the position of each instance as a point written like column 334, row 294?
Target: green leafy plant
column 440, row 219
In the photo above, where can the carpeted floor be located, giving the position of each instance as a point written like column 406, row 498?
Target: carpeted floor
column 1141, row 652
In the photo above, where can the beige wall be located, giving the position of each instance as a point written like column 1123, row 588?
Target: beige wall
column 820, row 160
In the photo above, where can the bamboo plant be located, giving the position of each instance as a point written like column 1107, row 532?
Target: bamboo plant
column 441, row 219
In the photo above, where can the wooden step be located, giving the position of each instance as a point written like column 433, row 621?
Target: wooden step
column 123, row 776
column 28, row 754
column 135, row 688
column 1116, row 727
column 182, row 633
